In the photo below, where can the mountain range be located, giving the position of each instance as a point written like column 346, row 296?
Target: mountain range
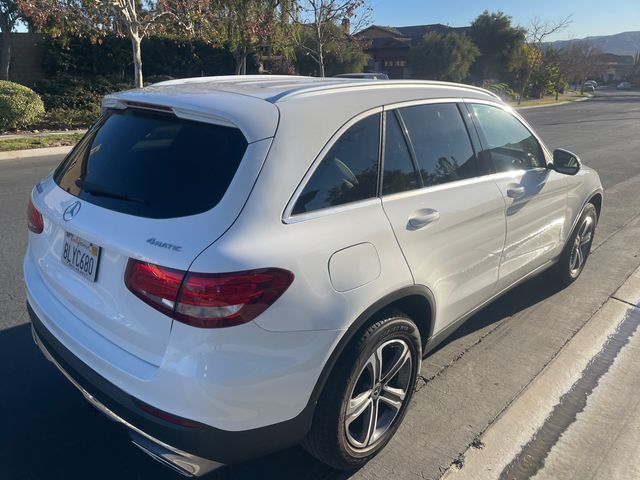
column 626, row 43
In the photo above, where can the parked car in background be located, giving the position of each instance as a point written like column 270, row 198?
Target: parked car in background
column 231, row 266
column 589, row 87
column 591, row 82
column 367, row 75
column 623, row 86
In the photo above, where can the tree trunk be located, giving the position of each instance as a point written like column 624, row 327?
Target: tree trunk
column 241, row 61
column 321, row 59
column 6, row 55
column 524, row 85
column 320, row 46
column 137, row 60
column 241, row 64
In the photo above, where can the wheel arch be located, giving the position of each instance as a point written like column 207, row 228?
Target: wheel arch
column 596, row 200
column 416, row 301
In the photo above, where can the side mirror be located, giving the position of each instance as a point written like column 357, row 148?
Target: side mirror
column 566, row 162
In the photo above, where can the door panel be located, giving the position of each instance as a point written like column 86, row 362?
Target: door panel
column 534, row 220
column 458, row 254
column 535, row 196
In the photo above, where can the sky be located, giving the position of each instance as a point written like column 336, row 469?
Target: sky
column 589, row 17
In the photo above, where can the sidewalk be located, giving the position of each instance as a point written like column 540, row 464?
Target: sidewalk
column 580, row 418
column 15, row 136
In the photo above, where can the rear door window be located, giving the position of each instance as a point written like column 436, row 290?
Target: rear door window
column 348, row 172
column 152, row 164
column 441, row 143
column 399, row 172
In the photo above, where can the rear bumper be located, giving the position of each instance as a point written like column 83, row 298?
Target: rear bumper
column 190, row 451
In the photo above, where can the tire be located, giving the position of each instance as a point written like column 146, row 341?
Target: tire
column 576, row 251
column 347, row 441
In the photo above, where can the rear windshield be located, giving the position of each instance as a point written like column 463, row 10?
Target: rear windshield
column 152, row 164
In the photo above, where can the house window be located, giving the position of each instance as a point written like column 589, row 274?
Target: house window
column 395, row 63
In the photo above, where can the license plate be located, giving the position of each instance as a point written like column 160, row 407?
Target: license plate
column 81, row 256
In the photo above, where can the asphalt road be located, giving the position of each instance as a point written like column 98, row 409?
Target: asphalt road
column 48, row 431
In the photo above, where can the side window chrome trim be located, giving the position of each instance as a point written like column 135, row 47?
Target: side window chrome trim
column 490, row 177
column 323, row 212
column 512, row 111
column 287, row 217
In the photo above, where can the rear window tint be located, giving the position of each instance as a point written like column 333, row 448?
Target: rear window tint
column 152, row 164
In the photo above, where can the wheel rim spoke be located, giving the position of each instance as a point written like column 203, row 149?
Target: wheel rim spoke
column 373, row 423
column 357, row 406
column 579, row 258
column 574, row 258
column 393, row 396
column 402, row 359
column 376, row 358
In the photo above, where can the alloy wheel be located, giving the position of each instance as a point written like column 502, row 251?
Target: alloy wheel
column 581, row 246
column 378, row 394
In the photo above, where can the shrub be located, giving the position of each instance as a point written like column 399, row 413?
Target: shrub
column 19, row 106
column 76, row 93
column 65, row 118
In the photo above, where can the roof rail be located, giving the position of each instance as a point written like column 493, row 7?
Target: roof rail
column 300, row 90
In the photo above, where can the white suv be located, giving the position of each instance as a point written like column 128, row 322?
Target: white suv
column 231, row 266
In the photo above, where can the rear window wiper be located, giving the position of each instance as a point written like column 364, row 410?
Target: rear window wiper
column 95, row 189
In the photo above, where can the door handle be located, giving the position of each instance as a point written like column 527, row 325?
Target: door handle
column 422, row 218
column 515, row 190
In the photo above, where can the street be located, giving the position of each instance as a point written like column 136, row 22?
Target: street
column 47, row 430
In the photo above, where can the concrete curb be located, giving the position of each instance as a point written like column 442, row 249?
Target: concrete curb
column 559, row 104
column 34, row 152
column 520, row 421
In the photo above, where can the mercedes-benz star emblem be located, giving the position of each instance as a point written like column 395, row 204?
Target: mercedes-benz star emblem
column 71, row 211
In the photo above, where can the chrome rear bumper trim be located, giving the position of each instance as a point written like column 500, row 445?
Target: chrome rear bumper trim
column 182, row 462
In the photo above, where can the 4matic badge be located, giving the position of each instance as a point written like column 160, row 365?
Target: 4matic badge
column 157, row 243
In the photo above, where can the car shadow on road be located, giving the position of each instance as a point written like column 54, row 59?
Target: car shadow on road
column 525, row 295
column 47, row 430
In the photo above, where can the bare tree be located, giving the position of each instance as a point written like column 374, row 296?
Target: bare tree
column 133, row 18
column 321, row 15
column 537, row 33
column 579, row 61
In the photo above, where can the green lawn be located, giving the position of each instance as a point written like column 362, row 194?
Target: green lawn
column 63, row 139
column 550, row 100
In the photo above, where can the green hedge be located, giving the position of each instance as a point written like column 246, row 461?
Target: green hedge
column 77, row 93
column 19, row 106
column 111, row 57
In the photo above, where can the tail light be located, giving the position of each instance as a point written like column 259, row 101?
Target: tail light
column 207, row 300
column 36, row 223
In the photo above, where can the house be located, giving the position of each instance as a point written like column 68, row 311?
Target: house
column 614, row 68
column 388, row 46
